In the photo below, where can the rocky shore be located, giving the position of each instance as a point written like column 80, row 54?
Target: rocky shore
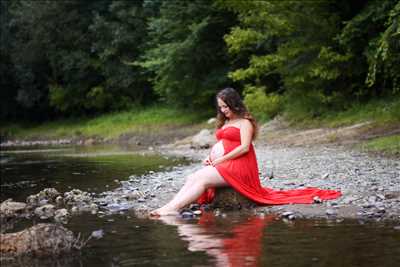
column 49, row 237
column 370, row 184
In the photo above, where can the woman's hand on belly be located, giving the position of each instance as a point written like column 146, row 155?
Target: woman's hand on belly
column 207, row 161
column 217, row 161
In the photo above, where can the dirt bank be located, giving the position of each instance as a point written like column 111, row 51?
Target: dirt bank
column 278, row 132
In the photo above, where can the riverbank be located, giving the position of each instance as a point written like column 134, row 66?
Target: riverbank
column 370, row 182
column 139, row 126
column 372, row 127
column 329, row 158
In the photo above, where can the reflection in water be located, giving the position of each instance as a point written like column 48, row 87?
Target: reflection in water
column 26, row 172
column 242, row 246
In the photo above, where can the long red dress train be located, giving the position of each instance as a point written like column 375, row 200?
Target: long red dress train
column 242, row 174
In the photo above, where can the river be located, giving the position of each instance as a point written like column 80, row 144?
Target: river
column 213, row 239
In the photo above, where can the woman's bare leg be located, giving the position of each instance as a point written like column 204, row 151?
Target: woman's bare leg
column 195, row 185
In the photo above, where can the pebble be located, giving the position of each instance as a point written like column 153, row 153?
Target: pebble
column 74, row 209
column 197, row 212
column 61, row 215
column 330, row 212
column 187, row 214
column 317, row 199
column 98, row 234
column 287, row 214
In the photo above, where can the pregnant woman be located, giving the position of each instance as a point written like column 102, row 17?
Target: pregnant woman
column 232, row 162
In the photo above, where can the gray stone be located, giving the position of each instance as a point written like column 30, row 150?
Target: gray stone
column 316, row 199
column 287, row 213
column 211, row 120
column 330, row 212
column 197, row 212
column 228, row 198
column 11, row 209
column 47, row 195
column 187, row 214
column 45, row 212
column 98, row 234
column 41, row 240
column 204, row 139
column 61, row 216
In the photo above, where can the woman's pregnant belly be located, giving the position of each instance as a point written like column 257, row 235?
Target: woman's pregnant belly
column 217, row 151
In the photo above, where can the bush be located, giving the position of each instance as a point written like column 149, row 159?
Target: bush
column 263, row 106
column 98, row 98
column 302, row 106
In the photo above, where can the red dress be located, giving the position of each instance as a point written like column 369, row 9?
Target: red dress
column 242, row 174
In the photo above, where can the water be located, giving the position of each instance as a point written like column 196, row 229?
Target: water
column 92, row 169
column 231, row 239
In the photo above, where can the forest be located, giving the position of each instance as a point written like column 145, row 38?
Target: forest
column 74, row 58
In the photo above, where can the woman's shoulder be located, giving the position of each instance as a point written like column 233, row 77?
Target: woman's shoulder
column 245, row 123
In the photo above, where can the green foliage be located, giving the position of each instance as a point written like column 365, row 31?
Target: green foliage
column 389, row 145
column 263, row 106
column 79, row 58
column 58, row 97
column 135, row 120
column 119, row 38
column 71, row 57
column 385, row 59
column 186, row 53
column 382, row 111
column 303, row 51
column 8, row 104
column 303, row 106
column 97, row 98
column 302, row 55
column 372, row 37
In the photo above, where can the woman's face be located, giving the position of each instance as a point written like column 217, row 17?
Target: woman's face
column 223, row 107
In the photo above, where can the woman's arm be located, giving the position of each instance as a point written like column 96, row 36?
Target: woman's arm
column 246, row 134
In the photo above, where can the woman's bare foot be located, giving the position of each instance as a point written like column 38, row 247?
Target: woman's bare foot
column 163, row 212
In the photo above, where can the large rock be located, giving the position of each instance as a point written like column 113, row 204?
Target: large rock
column 11, row 209
column 46, row 196
column 40, row 240
column 228, row 198
column 204, row 139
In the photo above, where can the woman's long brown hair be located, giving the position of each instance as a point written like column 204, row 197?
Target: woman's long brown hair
column 234, row 102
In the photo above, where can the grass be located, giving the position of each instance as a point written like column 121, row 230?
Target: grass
column 106, row 126
column 381, row 112
column 389, row 145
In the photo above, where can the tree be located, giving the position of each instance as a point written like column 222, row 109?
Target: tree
column 8, row 104
column 304, row 51
column 186, row 53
